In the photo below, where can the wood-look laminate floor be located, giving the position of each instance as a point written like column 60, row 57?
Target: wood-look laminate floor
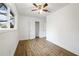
column 40, row 47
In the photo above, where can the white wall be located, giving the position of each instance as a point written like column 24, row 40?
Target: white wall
column 8, row 38
column 63, row 28
column 27, row 27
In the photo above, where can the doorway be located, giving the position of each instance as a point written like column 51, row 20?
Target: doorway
column 37, row 29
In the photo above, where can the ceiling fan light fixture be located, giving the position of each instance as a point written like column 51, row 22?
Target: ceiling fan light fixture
column 40, row 11
column 40, row 7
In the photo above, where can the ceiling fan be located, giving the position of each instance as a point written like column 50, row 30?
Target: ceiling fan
column 40, row 7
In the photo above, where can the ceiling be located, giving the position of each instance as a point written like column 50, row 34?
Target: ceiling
column 26, row 9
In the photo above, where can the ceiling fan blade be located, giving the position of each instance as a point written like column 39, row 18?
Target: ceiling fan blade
column 34, row 9
column 35, row 5
column 45, row 5
column 46, row 10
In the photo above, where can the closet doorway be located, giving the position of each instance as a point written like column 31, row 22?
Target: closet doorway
column 37, row 29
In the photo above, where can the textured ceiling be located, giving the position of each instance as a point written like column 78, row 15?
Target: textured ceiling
column 26, row 9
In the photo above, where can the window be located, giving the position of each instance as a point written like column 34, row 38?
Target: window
column 12, row 19
column 7, row 17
